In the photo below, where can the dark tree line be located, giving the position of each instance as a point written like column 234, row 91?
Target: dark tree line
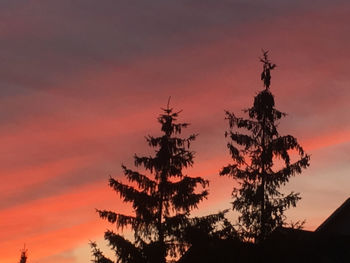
column 162, row 196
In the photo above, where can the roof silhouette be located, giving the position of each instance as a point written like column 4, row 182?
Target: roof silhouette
column 338, row 223
column 328, row 243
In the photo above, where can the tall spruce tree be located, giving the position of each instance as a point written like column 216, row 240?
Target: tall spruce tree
column 262, row 163
column 161, row 195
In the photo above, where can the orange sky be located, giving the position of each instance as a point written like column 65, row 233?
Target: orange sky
column 82, row 83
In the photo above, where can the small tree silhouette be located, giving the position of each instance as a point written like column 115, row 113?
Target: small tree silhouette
column 162, row 199
column 23, row 256
column 255, row 153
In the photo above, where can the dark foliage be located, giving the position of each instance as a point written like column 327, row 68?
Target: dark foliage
column 289, row 247
column 262, row 163
column 162, row 197
column 98, row 255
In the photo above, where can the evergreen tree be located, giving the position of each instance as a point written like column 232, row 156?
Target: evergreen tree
column 262, row 163
column 161, row 195
column 23, row 256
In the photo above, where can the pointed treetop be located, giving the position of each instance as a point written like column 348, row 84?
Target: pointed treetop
column 167, row 120
column 23, row 255
column 168, row 110
column 267, row 66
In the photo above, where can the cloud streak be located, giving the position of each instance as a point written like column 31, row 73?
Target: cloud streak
column 82, row 84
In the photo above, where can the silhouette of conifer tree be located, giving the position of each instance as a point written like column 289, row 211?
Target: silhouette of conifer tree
column 255, row 152
column 23, row 256
column 162, row 198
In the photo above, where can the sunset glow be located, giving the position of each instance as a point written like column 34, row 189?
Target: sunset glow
column 82, row 83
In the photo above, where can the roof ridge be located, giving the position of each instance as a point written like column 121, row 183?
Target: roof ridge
column 333, row 215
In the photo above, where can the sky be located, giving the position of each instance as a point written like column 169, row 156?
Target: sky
column 82, row 82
